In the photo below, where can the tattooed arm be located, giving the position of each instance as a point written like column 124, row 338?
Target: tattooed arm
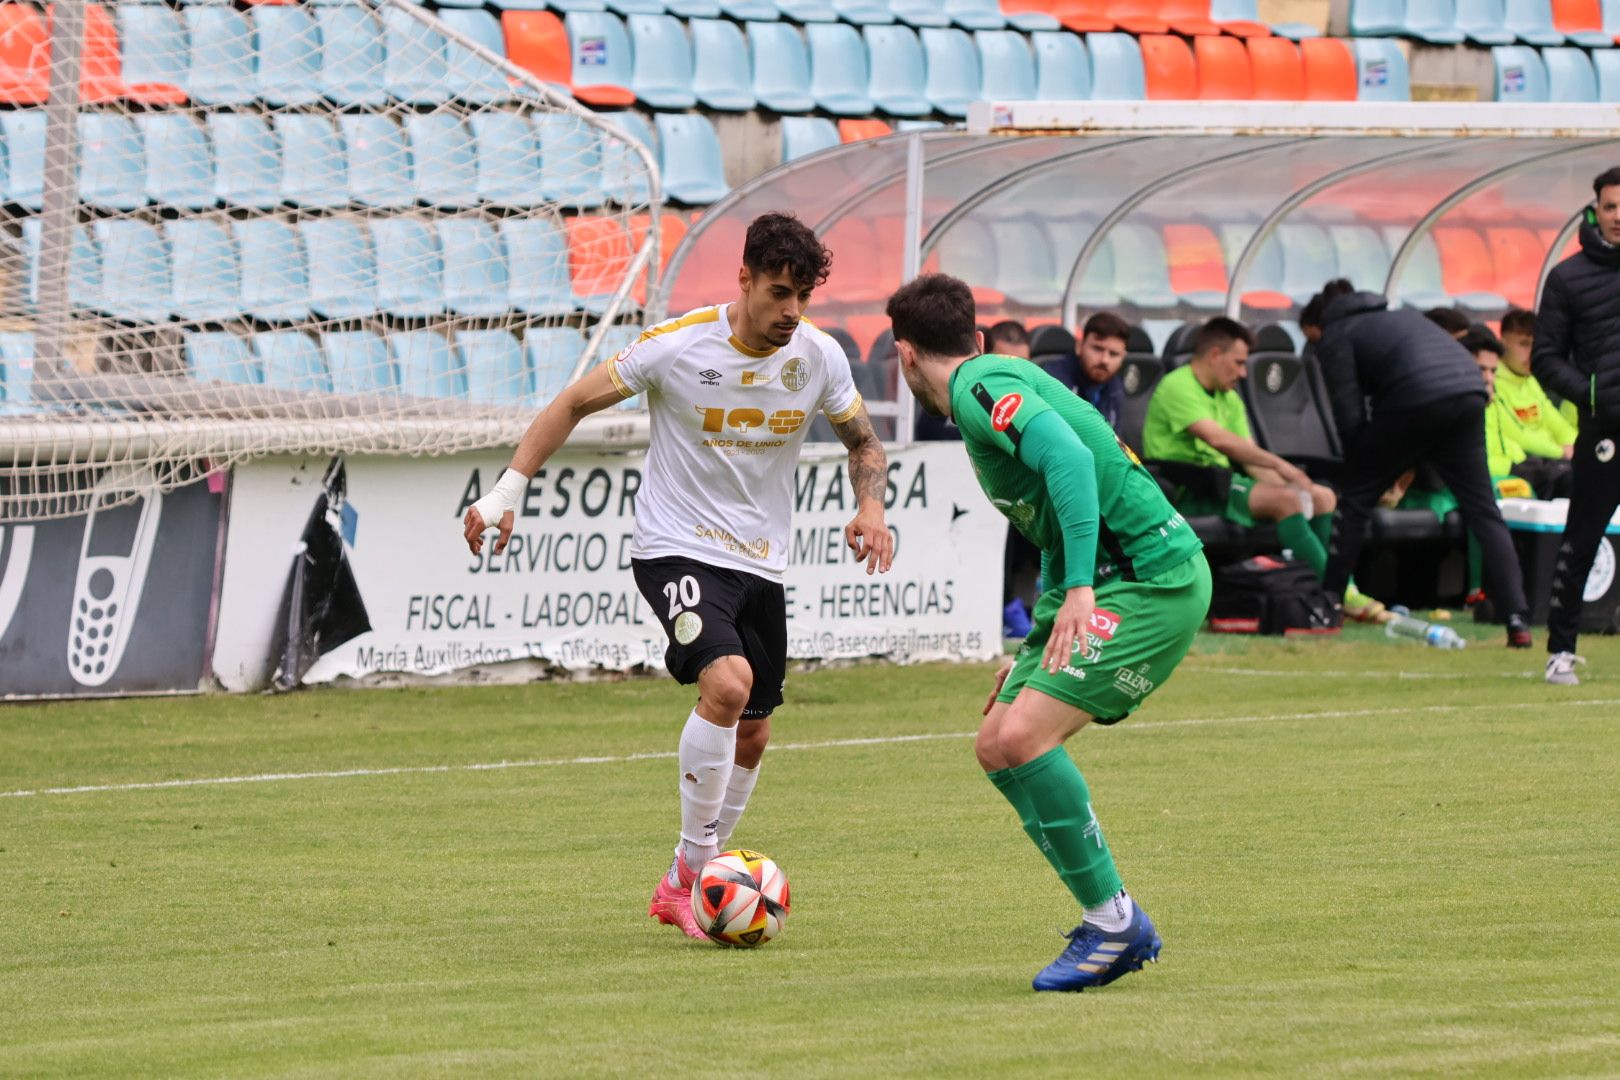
column 867, row 534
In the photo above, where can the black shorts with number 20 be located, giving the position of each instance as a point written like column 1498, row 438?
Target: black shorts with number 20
column 710, row 611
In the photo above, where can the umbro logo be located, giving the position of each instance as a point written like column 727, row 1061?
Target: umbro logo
column 710, row 377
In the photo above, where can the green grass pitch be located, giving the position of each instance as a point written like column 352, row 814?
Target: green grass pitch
column 1366, row 859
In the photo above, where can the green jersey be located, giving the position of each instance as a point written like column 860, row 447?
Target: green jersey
column 1053, row 466
column 1179, row 402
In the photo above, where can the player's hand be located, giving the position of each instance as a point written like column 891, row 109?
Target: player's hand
column 473, row 527
column 870, row 539
column 1569, row 453
column 995, row 691
column 1069, row 628
column 1293, row 474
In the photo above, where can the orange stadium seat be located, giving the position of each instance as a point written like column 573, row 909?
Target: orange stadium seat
column 1465, row 262
column 538, row 41
column 856, row 130
column 1081, row 16
column 1137, row 16
column 102, row 76
column 1197, row 264
column 24, row 56
column 1168, row 67
column 1189, row 17
column 1516, row 255
column 671, row 228
column 1279, row 73
column 599, row 253
column 1330, row 70
column 1223, row 69
column 1579, row 19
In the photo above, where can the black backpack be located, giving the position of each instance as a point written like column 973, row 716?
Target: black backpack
column 1268, row 595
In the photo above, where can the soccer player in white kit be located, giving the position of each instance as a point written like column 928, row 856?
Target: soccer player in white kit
column 731, row 391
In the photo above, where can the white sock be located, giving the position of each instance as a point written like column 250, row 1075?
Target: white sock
column 705, row 756
column 738, row 789
column 1113, row 914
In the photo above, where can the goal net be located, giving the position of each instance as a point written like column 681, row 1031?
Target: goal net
column 342, row 227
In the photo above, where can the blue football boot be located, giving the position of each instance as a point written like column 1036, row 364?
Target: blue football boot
column 1096, row 957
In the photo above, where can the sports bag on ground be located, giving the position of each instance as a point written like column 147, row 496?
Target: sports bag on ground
column 1269, row 595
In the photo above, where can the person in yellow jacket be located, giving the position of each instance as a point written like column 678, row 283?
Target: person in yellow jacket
column 1523, row 415
column 1549, row 430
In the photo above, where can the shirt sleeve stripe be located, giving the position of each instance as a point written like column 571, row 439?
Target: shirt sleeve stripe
column 618, row 381
column 847, row 414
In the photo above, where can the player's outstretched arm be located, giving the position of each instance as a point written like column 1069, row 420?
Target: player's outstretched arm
column 593, row 392
column 1247, row 452
column 867, row 534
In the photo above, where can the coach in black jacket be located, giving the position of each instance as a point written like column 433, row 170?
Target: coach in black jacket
column 1405, row 392
column 1577, row 356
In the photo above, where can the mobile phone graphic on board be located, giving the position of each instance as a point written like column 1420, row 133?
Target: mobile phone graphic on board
column 113, row 560
column 13, row 570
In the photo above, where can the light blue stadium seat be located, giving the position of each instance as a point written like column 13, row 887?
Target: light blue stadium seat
column 1223, row 11
column 840, row 78
column 84, row 266
column 289, row 59
column 1531, row 22
column 898, row 72
column 203, row 275
column 16, row 371
column 1116, row 68
column 1062, row 67
column 624, row 175
column 416, row 66
column 566, row 6
column 781, row 64
column 692, row 166
column 1520, row 74
column 379, row 160
column 275, row 281
column 693, row 9
column 444, row 164
column 803, row 135
column 570, row 160
column 1607, row 65
column 952, row 66
column 508, row 158
column 179, row 169
column 920, row 13
column 342, row 268
column 1422, row 282
column 1381, row 71
column 987, row 15
column 602, row 53
column 475, row 281
column 864, row 12
column 552, row 352
column 636, row 7
column 23, row 132
column 290, row 360
column 247, row 159
column 221, row 70
column 351, row 56
column 134, row 270
column 358, row 361
column 663, row 62
column 1570, row 76
column 219, row 356
column 1309, row 259
column 410, row 279
column 469, row 77
column 1611, row 18
column 1025, row 268
column 1434, row 21
column 1481, row 22
column 496, row 372
column 536, row 266
column 1008, row 70
column 1377, row 18
column 313, row 172
column 807, row 11
column 1362, row 257
column 750, row 10
column 722, row 74
column 153, row 43
column 1141, row 267
column 426, row 366
column 1266, row 271
column 112, row 162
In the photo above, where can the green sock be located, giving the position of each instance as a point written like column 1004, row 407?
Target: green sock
column 1062, row 804
column 1322, row 526
column 1015, row 793
column 1476, row 565
column 1296, row 533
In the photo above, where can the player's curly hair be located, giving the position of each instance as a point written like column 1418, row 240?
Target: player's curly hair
column 779, row 239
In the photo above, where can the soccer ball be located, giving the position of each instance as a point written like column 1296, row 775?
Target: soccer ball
column 741, row 898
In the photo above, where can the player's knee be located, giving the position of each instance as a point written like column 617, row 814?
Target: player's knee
column 1019, row 741
column 987, row 748
column 726, row 685
column 1325, row 499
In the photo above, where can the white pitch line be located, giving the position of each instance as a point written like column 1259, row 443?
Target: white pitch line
column 829, row 744
column 1279, row 673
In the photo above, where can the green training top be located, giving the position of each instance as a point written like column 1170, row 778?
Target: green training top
column 1179, row 402
column 1053, row 466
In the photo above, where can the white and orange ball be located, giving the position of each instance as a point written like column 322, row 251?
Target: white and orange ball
column 741, row 898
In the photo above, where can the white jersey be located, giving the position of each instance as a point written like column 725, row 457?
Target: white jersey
column 727, row 424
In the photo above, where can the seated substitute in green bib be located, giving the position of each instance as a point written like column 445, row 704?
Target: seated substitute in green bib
column 1127, row 588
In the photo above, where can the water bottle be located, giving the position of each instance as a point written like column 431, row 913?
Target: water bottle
column 1439, row 637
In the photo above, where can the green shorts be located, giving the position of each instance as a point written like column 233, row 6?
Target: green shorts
column 1234, row 508
column 1139, row 632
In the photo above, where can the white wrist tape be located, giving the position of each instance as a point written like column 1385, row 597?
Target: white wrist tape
column 502, row 497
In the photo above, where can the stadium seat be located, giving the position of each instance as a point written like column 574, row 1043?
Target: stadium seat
column 1137, row 16
column 342, row 268
column 1079, row 16
column 624, row 174
column 1241, row 18
column 1190, row 18
column 1330, row 70
column 134, row 270
column 289, row 56
column 1570, row 77
column 25, row 75
column 1197, row 265
column 425, row 365
column 291, row 360
column 781, row 66
column 1139, row 375
column 495, row 371
column 275, row 280
column 987, row 15
column 1520, row 74
column 1008, row 70
column 469, row 77
column 84, row 266
column 351, row 72
column 693, row 170
column 1377, row 18
column 570, row 159
column 221, row 69
column 662, row 73
column 1168, row 67
column 203, row 274
column 1361, row 255
column 444, row 164
column 508, row 158
column 1026, row 271
column 179, row 171
column 1481, row 22
column 101, row 76
column 864, row 12
column 1279, row 73
column 602, row 63
column 897, row 70
column 1531, row 22
column 920, row 13
column 410, row 282
column 247, row 159
column 1062, row 67
column 1141, row 269
column 722, row 75
column 855, row 130
column 1381, row 71
column 378, row 159
column 840, row 79
column 1421, row 282
column 536, row 266
column 804, row 135
column 538, row 42
column 218, row 356
column 1467, row 270
column 1117, row 70
column 599, row 253
column 1288, row 417
column 1224, row 73
column 475, row 280
column 1309, row 259
column 807, row 11
column 951, row 63
column 750, row 10
column 693, row 9
column 416, row 67
column 1516, row 257
column 1433, row 21
column 671, row 231
column 636, row 7
column 1607, row 65
column 358, row 361
column 22, row 131
column 153, row 50
column 552, row 352
column 112, row 162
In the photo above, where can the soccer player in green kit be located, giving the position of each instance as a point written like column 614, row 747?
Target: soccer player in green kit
column 1127, row 587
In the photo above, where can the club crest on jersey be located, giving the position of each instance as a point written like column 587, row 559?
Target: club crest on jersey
column 796, row 374
column 1001, row 415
